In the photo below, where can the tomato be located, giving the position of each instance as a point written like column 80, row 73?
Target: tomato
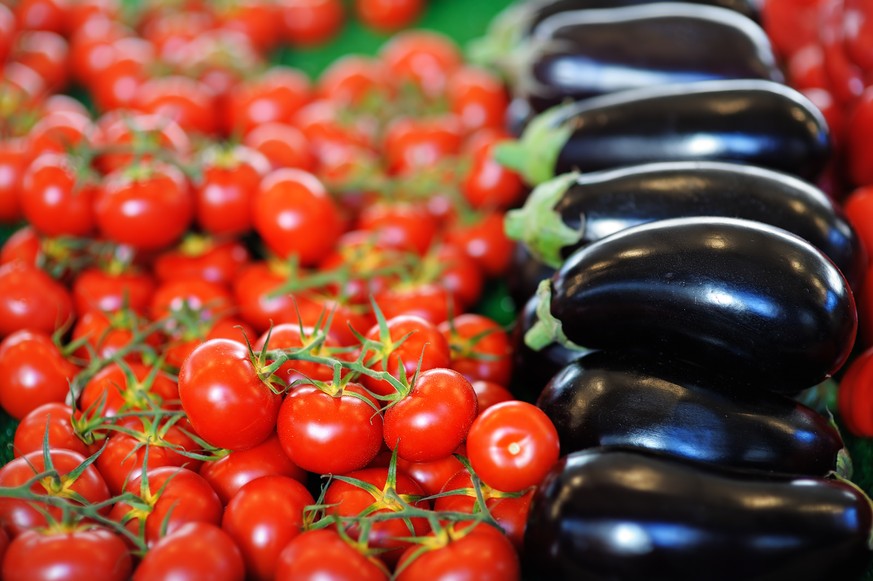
column 485, row 241
column 510, row 511
column 237, row 468
column 255, row 292
column 61, row 132
column 427, row 300
column 31, row 299
column 174, row 497
column 433, row 419
column 389, row 15
column 81, row 13
column 195, row 550
column 12, row 167
column 147, row 206
column 24, row 244
column 79, row 554
column 121, row 387
column 54, row 198
column 33, row 372
column 859, row 152
column 309, row 23
column 367, row 265
column 379, row 496
column 129, row 136
column 229, row 179
column 226, row 402
column 791, row 24
column 41, row 15
column 289, row 336
column 275, row 96
column 410, row 342
column 482, row 553
column 189, row 102
column 431, row 476
column 106, row 334
column 855, row 396
column 845, row 78
column 183, row 339
column 263, row 517
column 333, row 138
column 330, row 433
column 53, row 419
column 256, row 20
column 71, row 483
column 458, row 273
column 7, row 31
column 478, row 98
column 295, row 216
column 355, row 80
column 489, row 185
column 424, row 58
column 113, row 290
column 190, row 300
column 46, row 53
column 117, row 85
column 205, row 258
column 481, row 348
column 489, row 393
column 323, row 553
column 416, row 143
column 283, row 145
column 512, row 446
column 400, row 225
column 92, row 48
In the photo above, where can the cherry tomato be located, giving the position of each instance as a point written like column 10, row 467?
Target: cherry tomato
column 328, row 433
column 422, row 142
column 288, row 336
column 41, row 15
column 7, row 31
column 859, row 152
column 355, row 80
column 263, row 517
column 309, row 23
column 228, row 182
column 431, row 476
column 283, row 145
column 205, row 258
column 46, row 53
column 33, row 372
column 31, row 299
column 512, row 446
column 78, row 554
column 130, row 136
column 233, row 471
column 399, row 225
column 478, row 98
column 61, row 132
column 388, row 15
column 481, row 348
column 52, row 420
column 273, row 97
column 324, row 553
column 489, row 393
column 124, row 387
column 425, row 58
column 791, row 24
column 256, row 20
column 225, row 400
column 433, row 419
column 113, row 290
column 195, row 550
column 485, row 241
column 12, row 166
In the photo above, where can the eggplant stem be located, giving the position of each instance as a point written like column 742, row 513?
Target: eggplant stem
column 535, row 153
column 547, row 329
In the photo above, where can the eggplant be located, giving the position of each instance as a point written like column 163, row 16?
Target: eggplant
column 754, row 122
column 582, row 54
column 517, row 22
column 745, row 299
column 524, row 275
column 662, row 404
column 622, row 515
column 575, row 210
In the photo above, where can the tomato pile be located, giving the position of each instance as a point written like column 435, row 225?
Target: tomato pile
column 238, row 313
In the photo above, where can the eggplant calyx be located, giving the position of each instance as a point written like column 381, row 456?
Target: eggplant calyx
column 535, row 153
column 539, row 226
column 503, row 36
column 548, row 329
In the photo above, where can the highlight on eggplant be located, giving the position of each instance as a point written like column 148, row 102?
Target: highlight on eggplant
column 753, row 122
column 573, row 210
column 585, row 53
column 663, row 404
column 619, row 514
column 747, row 300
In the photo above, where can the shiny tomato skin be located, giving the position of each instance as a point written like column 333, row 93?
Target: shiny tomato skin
column 388, row 15
column 310, row 23
column 263, row 517
column 226, row 402
column 33, row 372
column 295, row 216
column 323, row 553
column 425, row 58
column 96, row 289
column 282, row 144
column 274, row 96
column 31, row 299
column 54, row 418
column 13, row 163
column 481, row 348
column 226, row 187
column 79, row 555
column 328, row 434
column 214, row 260
column 433, row 419
column 512, row 446
column 53, row 202
column 195, row 550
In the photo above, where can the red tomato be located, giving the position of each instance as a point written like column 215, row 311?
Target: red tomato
column 53, row 419
column 855, row 396
column 283, row 145
column 400, row 225
column 256, row 20
column 16, row 516
column 288, row 336
column 228, row 182
column 262, row 518
column 46, row 53
column 328, row 433
column 226, row 402
column 308, row 23
column 125, row 387
column 33, row 372
column 41, row 15
column 427, row 300
column 233, row 471
column 433, row 419
column 431, row 476
column 421, row 143
column 859, row 152
column 489, row 185
column 127, row 136
column 12, row 166
column 295, row 216
column 481, row 348
column 117, row 85
column 485, row 241
column 195, row 550
column 389, row 15
column 60, row 132
column 188, row 102
column 791, row 24
column 512, row 446
column 111, row 290
column 478, row 98
column 79, row 554
column 147, row 206
column 54, row 198
column 7, row 31
column 355, row 80
column 31, row 299
column 105, row 335
column 489, row 393
column 198, row 257
column 190, row 301
column 324, row 553
column 483, row 553
column 459, row 273
column 175, row 497
column 273, row 97
column 259, row 303
column 425, row 58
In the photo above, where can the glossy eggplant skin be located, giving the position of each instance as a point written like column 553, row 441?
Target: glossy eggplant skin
column 753, row 122
column 524, row 275
column 602, row 203
column 582, row 54
column 651, row 402
column 751, row 301
column 621, row 515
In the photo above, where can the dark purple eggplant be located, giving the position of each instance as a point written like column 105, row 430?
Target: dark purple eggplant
column 622, row 515
column 652, row 402
column 582, row 54
column 744, row 299
column 572, row 211
column 525, row 274
column 517, row 22
column 753, row 122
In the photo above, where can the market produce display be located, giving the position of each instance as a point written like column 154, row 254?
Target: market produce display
column 585, row 298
